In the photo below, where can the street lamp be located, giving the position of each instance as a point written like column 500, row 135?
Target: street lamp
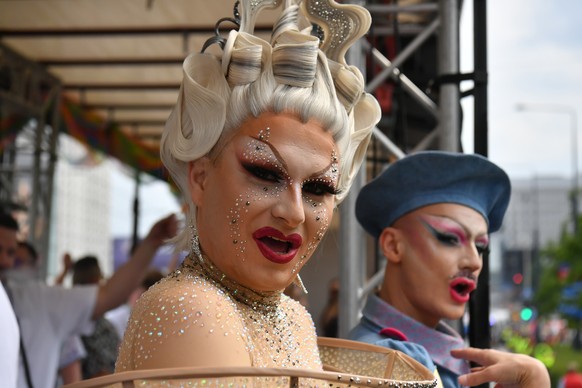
column 571, row 112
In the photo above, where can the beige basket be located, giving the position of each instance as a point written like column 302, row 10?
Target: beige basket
column 360, row 358
column 344, row 361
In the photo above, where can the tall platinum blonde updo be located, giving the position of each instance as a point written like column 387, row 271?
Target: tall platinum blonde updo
column 295, row 72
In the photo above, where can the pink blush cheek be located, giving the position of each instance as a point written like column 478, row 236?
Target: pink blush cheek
column 422, row 245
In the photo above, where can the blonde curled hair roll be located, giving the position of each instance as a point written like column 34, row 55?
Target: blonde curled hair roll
column 295, row 72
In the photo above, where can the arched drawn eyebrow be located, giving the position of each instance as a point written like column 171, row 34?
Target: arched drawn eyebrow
column 484, row 237
column 280, row 159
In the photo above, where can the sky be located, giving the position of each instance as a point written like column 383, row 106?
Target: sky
column 534, row 57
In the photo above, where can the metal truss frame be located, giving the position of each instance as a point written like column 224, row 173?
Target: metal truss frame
column 29, row 92
column 445, row 25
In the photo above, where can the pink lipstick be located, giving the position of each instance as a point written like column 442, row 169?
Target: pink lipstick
column 276, row 246
column 460, row 288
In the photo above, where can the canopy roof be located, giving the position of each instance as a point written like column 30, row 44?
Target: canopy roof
column 120, row 59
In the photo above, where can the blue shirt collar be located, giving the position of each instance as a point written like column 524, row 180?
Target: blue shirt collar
column 438, row 341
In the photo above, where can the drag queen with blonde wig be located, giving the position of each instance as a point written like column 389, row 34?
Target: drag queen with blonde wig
column 263, row 143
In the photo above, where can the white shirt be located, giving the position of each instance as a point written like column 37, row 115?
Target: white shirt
column 119, row 317
column 10, row 347
column 71, row 351
column 48, row 316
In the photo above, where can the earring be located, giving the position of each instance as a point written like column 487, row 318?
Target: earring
column 300, row 284
column 195, row 243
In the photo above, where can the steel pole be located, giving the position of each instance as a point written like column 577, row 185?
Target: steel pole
column 448, row 63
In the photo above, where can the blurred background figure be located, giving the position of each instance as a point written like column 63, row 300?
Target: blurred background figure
column 330, row 314
column 9, row 331
column 86, row 270
column 119, row 316
column 101, row 346
column 26, row 268
column 48, row 316
column 294, row 291
column 26, row 256
column 72, row 354
column 26, row 263
column 572, row 378
column 67, row 267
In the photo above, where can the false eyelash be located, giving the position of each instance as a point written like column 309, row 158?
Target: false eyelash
column 324, row 187
column 483, row 250
column 263, row 173
column 446, row 238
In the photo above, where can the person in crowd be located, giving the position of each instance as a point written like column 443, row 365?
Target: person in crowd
column 65, row 270
column 330, row 315
column 26, row 268
column 72, row 354
column 87, row 270
column 49, row 315
column 9, row 331
column 263, row 143
column 102, row 344
column 26, row 255
column 572, row 378
column 295, row 291
column 120, row 315
column 26, row 263
column 432, row 213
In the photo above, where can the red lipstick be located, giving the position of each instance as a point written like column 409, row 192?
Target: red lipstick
column 276, row 246
column 460, row 288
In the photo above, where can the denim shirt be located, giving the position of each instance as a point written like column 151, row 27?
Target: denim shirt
column 431, row 347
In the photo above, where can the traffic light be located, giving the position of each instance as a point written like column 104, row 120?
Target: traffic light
column 526, row 314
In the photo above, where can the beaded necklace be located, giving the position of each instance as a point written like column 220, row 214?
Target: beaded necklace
column 272, row 329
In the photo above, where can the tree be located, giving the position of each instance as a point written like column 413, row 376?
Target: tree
column 560, row 288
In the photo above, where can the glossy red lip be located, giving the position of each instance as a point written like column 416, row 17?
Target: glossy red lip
column 275, row 246
column 460, row 288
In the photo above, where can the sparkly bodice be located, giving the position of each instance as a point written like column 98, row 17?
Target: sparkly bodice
column 197, row 310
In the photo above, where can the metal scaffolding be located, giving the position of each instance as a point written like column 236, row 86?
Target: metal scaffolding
column 29, row 98
column 443, row 23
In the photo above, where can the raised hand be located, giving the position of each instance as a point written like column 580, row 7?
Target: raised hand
column 508, row 370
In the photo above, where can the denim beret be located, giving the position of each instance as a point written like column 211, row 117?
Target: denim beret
column 430, row 177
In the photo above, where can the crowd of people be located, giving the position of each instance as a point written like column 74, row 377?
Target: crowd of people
column 40, row 319
column 263, row 143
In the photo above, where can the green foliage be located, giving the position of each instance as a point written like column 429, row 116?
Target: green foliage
column 562, row 267
column 556, row 358
column 548, row 295
column 564, row 356
column 519, row 344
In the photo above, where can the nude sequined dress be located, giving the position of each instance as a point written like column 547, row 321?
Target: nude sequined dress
column 276, row 331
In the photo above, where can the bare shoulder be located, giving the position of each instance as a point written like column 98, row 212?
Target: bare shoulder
column 183, row 323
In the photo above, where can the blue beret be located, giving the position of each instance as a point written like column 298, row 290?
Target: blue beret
column 431, row 177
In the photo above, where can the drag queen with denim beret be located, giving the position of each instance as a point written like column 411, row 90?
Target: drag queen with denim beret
column 432, row 213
